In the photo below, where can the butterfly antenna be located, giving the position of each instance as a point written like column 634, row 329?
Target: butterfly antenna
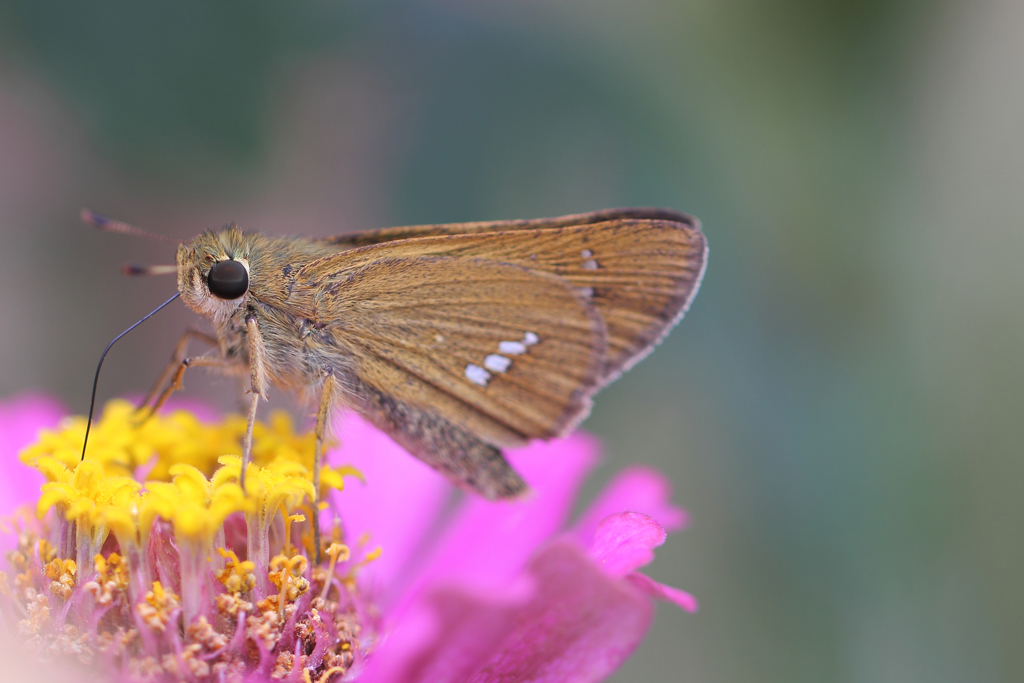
column 109, row 225
column 96, row 379
column 135, row 269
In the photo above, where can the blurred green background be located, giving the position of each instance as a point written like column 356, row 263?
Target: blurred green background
column 840, row 410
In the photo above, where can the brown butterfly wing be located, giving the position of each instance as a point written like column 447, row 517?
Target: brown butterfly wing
column 368, row 237
column 429, row 331
column 639, row 273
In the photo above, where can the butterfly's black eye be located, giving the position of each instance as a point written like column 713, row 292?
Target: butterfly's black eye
column 228, row 279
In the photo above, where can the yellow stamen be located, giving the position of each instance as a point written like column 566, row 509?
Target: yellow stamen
column 287, row 574
column 338, row 552
column 62, row 575
column 289, row 548
column 326, row 676
column 350, row 577
column 237, row 575
column 46, row 551
column 111, row 578
column 157, row 610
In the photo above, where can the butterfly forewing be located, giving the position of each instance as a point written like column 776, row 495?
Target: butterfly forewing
column 503, row 351
column 640, row 274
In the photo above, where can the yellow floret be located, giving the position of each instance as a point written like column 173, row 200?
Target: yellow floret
column 113, row 442
column 185, row 479
column 86, row 496
column 196, row 506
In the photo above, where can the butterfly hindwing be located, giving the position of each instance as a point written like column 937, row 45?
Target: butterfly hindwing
column 462, row 456
column 500, row 350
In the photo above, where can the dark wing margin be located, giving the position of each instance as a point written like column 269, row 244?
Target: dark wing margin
column 379, row 236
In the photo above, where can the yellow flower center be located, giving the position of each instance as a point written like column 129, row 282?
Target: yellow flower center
column 151, row 527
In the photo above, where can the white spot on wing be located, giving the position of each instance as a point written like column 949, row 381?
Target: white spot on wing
column 590, row 264
column 496, row 363
column 477, row 375
column 530, row 339
column 586, row 253
column 587, row 291
column 512, row 348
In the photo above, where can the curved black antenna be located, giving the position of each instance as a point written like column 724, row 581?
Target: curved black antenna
column 96, row 379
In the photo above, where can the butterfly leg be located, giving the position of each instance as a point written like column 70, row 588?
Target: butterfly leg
column 257, row 386
column 175, row 382
column 326, row 400
column 179, row 355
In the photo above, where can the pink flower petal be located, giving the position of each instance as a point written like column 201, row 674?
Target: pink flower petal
column 488, row 543
column 636, row 489
column 20, row 421
column 408, row 639
column 663, row 592
column 479, row 619
column 399, row 503
column 625, row 541
column 576, row 626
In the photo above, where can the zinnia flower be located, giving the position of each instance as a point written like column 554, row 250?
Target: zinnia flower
column 147, row 562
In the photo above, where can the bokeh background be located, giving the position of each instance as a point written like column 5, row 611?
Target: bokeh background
column 841, row 410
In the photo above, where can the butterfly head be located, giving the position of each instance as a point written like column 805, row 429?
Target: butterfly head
column 213, row 272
